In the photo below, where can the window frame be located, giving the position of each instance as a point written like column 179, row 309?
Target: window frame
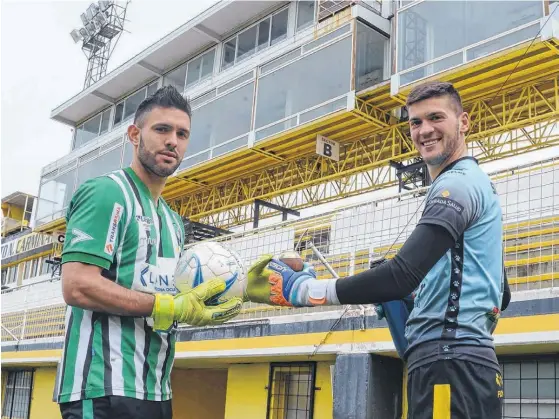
column 257, row 48
column 13, row 387
column 312, row 365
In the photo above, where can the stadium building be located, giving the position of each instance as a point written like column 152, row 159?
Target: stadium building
column 297, row 110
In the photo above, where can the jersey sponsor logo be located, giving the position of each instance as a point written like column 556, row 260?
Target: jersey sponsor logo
column 79, row 236
column 112, row 230
column 445, row 194
column 447, row 202
column 151, row 278
column 147, row 241
column 146, row 222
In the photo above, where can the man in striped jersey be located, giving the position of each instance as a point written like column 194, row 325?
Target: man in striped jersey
column 122, row 246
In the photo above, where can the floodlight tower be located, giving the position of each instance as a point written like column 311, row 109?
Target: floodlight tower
column 103, row 23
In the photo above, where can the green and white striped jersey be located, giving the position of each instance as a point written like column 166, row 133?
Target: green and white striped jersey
column 113, row 222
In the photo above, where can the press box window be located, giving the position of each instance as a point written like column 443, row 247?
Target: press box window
column 291, row 390
column 17, row 396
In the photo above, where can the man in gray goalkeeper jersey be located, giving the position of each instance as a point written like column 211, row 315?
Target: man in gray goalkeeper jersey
column 122, row 246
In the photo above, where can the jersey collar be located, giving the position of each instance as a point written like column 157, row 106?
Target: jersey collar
column 140, row 184
column 455, row 162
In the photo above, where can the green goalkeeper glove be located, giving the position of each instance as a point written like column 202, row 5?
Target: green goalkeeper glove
column 190, row 307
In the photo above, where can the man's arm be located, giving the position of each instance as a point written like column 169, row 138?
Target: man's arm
column 84, row 287
column 398, row 277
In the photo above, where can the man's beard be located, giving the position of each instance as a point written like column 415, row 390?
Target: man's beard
column 148, row 160
column 451, row 145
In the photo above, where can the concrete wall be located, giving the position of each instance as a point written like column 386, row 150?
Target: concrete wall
column 198, row 393
column 42, row 406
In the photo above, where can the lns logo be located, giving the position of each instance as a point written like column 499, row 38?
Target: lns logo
column 148, row 277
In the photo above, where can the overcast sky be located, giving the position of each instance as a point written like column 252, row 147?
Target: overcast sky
column 41, row 68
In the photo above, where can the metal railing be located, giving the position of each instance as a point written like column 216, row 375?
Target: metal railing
column 350, row 238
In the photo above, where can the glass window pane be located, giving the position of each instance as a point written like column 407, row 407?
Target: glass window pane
column 432, row 29
column 229, row 52
column 299, row 86
column 152, row 88
column 105, row 121
column 193, row 73
column 528, row 388
column 87, row 131
column 512, row 370
column 263, row 34
column 176, row 78
column 128, row 153
column 279, row 26
column 247, row 43
column 118, row 113
column 305, row 13
column 132, row 103
column 546, row 369
column 55, row 196
column 106, row 163
column 208, row 63
column 234, row 110
column 529, row 369
column 370, row 57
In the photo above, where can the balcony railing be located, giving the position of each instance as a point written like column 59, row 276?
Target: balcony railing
column 349, row 239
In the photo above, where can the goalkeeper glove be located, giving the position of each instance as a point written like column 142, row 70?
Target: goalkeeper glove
column 190, row 307
column 270, row 281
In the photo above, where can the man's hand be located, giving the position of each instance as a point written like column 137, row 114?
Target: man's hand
column 271, row 281
column 190, row 307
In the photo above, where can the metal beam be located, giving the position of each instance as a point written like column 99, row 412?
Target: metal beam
column 507, row 124
column 208, row 32
column 103, row 96
column 151, row 68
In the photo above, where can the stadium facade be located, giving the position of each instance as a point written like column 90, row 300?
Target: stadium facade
column 297, row 105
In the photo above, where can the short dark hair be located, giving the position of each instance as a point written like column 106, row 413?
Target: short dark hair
column 165, row 97
column 434, row 89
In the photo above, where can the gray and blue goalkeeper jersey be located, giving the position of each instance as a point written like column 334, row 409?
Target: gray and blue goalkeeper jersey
column 453, row 302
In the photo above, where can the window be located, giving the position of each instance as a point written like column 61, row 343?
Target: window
column 305, row 13
column 267, row 32
column 103, row 164
column 127, row 108
column 430, row 30
column 17, row 396
column 300, row 85
column 235, row 113
column 91, row 129
column 531, row 387
column 369, row 56
column 192, row 72
column 291, row 390
column 55, row 195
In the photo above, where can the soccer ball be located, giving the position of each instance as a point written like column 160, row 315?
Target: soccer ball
column 208, row 260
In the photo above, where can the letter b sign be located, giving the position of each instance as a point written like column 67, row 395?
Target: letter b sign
column 327, row 148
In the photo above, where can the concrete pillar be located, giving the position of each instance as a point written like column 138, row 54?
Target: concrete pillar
column 367, row 387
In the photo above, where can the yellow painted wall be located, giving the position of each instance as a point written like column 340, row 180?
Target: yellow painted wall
column 42, row 406
column 323, row 401
column 246, row 392
column 198, row 393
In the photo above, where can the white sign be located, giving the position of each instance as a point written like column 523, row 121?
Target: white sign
column 327, row 148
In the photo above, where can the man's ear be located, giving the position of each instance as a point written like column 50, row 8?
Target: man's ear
column 464, row 119
column 134, row 134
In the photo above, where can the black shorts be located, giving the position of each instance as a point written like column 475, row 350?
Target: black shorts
column 454, row 389
column 112, row 407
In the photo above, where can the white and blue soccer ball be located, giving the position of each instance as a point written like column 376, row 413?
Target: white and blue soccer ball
column 207, row 260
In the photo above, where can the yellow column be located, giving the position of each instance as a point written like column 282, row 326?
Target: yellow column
column 246, row 393
column 323, row 404
column 42, row 406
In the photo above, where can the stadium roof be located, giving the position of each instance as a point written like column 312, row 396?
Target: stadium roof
column 207, row 29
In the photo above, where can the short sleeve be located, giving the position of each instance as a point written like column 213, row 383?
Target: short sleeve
column 95, row 223
column 452, row 203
